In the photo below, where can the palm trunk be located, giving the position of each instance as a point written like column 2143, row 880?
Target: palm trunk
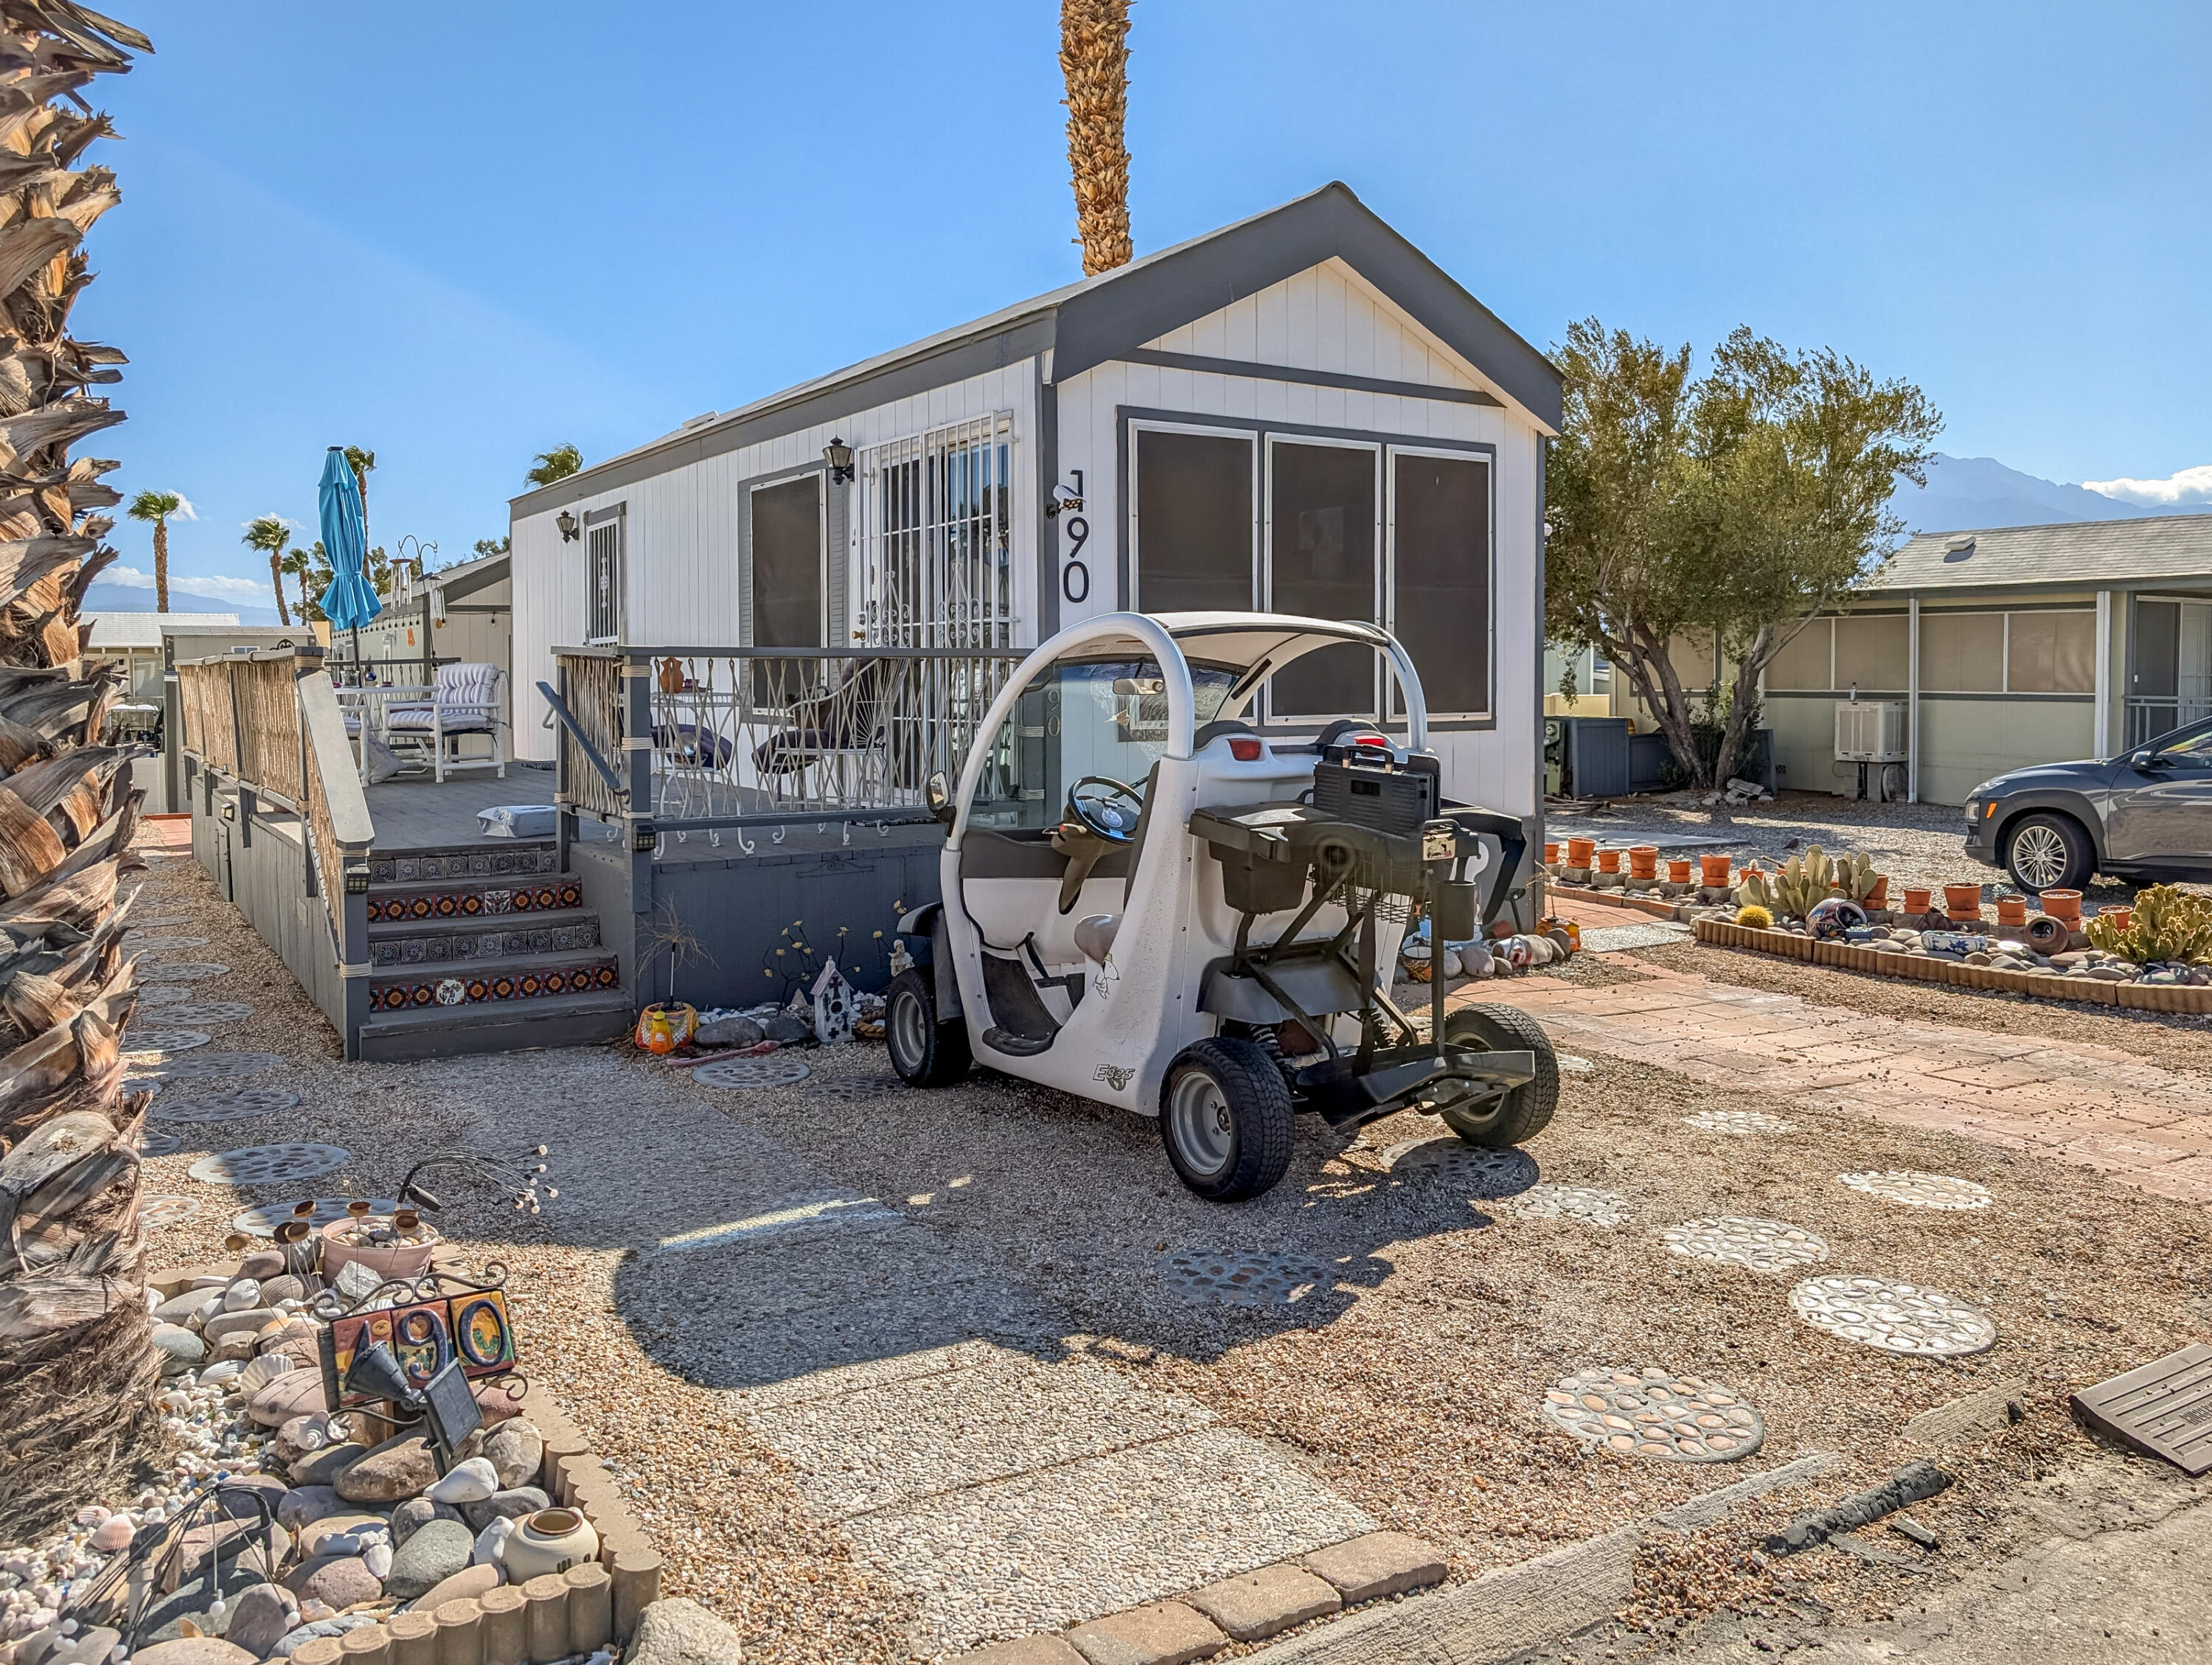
column 161, row 566
column 1094, row 57
column 78, row 1369
column 277, row 580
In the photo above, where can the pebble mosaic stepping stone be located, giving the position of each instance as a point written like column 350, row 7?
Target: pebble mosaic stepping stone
column 235, row 1106
column 1241, row 1279
column 185, row 1010
column 1739, row 1239
column 1580, row 1202
column 138, row 1042
column 162, row 994
column 1919, row 1190
column 184, row 971
column 1487, row 1174
column 269, row 1164
column 165, row 920
column 1904, row 1318
column 771, row 1070
column 1739, row 1121
column 146, row 945
column 855, row 1088
column 167, row 1211
column 210, row 1066
column 263, row 1222
column 151, row 1144
column 1656, row 1413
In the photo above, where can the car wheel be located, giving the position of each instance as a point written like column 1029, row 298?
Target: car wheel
column 1226, row 1118
column 925, row 1052
column 1527, row 1110
column 2048, row 852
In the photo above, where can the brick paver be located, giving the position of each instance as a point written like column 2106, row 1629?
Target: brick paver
column 2093, row 1106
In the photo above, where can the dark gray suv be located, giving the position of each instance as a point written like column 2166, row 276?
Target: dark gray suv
column 2145, row 814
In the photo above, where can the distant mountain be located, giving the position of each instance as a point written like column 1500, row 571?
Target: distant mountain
column 1964, row 494
column 129, row 599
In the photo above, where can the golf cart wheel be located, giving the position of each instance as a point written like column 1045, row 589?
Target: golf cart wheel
column 1226, row 1118
column 1527, row 1110
column 925, row 1052
column 2048, row 852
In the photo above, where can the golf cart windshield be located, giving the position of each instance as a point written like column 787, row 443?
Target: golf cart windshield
column 1093, row 717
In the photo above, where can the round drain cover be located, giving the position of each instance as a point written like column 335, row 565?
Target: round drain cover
column 1736, row 1240
column 184, row 971
column 854, row 1088
column 263, row 1222
column 1920, row 1190
column 149, row 945
column 1656, row 1413
column 151, row 1144
column 185, row 1010
column 166, row 1211
column 1487, row 1174
column 153, row 994
column 150, row 1040
column 1241, row 1280
column 772, row 1071
column 210, row 1066
column 1579, row 1202
column 269, row 1164
column 234, row 1106
column 1739, row 1121
column 1894, row 1317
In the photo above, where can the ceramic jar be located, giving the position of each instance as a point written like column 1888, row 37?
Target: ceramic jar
column 550, row 1540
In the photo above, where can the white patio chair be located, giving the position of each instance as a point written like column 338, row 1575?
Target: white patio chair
column 465, row 702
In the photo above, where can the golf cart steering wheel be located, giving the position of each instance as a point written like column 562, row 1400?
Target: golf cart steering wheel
column 1106, row 807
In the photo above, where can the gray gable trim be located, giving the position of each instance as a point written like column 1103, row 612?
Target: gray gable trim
column 1252, row 370
column 1105, row 318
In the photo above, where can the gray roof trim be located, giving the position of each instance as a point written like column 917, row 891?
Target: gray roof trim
column 1253, row 370
column 1102, row 318
column 471, row 576
column 2082, row 554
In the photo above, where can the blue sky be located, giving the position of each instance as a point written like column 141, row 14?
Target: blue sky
column 460, row 233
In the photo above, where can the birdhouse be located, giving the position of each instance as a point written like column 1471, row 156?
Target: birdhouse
column 833, row 1007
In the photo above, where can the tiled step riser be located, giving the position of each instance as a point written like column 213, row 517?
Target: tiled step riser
column 461, row 988
column 492, row 901
column 459, row 947
column 445, row 867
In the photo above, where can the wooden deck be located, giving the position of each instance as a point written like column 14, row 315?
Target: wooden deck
column 418, row 813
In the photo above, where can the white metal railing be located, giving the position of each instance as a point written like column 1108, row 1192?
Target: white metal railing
column 2150, row 715
column 935, row 538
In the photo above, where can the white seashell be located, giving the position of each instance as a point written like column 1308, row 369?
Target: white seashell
column 469, row 1482
column 491, row 1543
column 377, row 1559
column 152, row 1299
column 224, row 1371
column 258, row 1373
column 242, row 1295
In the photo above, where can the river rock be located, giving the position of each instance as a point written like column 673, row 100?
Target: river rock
column 226, row 1541
column 287, row 1288
column 235, row 1347
column 677, row 1630
column 179, row 1348
column 468, row 1482
column 262, row 1263
column 190, row 1308
column 400, row 1467
column 300, row 1437
column 260, row 1618
column 416, row 1514
column 491, row 1541
column 517, row 1450
column 243, row 1292
column 511, row 1505
column 244, row 1322
column 735, row 1030
column 333, row 1534
column 51, row 1647
column 195, row 1650
column 434, row 1552
column 465, row 1585
column 194, row 1597
column 494, row 1402
column 304, row 1505
column 236, row 1499
column 338, row 1580
column 296, row 1393
column 785, row 1029
column 322, row 1468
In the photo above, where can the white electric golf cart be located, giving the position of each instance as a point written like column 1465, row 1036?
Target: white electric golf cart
column 1149, row 903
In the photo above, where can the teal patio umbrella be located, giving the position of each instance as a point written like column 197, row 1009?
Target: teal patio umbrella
column 349, row 602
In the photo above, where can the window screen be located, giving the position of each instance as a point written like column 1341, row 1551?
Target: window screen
column 603, row 607
column 1875, row 652
column 1803, row 663
column 1440, row 522
column 1322, row 505
column 2053, row 654
column 787, row 565
column 1962, row 652
column 1194, row 522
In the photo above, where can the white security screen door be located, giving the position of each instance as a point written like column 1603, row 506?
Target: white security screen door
column 603, row 605
column 936, row 538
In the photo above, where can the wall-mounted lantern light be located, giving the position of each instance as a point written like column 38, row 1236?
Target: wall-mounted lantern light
column 839, row 456
column 567, row 521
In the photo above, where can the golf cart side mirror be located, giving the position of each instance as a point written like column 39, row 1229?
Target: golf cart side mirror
column 939, row 793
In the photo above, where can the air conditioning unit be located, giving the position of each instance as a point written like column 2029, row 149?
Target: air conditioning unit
column 1870, row 731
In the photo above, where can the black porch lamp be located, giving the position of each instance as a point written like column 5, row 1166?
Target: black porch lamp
column 567, row 521
column 839, row 456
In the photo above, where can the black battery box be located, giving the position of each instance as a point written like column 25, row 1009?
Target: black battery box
column 1383, row 796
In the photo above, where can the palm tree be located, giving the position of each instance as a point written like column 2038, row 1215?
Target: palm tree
column 363, row 463
column 558, row 464
column 1094, row 57
column 78, row 1369
column 306, row 565
column 270, row 535
column 158, row 506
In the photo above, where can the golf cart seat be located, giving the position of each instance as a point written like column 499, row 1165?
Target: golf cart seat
column 1094, row 936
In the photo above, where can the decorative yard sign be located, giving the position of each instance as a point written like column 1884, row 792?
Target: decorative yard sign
column 470, row 1329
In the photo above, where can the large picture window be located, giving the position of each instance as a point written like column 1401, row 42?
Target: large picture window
column 786, row 564
column 1440, row 575
column 1320, row 525
column 1193, row 514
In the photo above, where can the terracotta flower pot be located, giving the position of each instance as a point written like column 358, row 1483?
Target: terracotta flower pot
column 1879, row 897
column 1918, row 899
column 384, row 1260
column 2012, row 910
column 1608, row 862
column 1963, row 902
column 2063, row 905
column 1678, row 872
column 1552, row 853
column 2121, row 917
column 1580, row 850
column 1644, row 861
column 1713, row 869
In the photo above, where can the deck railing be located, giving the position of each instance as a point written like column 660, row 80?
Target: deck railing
column 2151, row 715
column 681, row 739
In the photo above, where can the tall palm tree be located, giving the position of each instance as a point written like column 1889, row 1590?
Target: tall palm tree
column 558, row 464
column 306, row 564
column 158, row 506
column 270, row 535
column 1094, row 57
column 78, row 1369
column 363, row 463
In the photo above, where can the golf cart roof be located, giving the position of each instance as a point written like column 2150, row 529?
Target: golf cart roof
column 1238, row 641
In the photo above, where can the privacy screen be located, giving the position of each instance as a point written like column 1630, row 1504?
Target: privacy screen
column 1194, row 523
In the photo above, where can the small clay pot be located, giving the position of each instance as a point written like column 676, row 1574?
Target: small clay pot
column 1644, row 861
column 1608, row 862
column 2012, row 910
column 1877, row 898
column 1678, row 872
column 1714, row 870
column 2120, row 917
column 386, row 1260
column 2061, row 904
column 1579, row 852
column 1963, row 902
column 1918, row 900
column 1552, row 853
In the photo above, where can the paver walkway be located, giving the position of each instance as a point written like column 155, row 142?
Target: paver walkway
column 2091, row 1105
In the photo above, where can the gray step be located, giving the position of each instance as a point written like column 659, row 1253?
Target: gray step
column 464, row 925
column 513, row 859
column 480, row 980
column 564, row 1020
column 455, row 945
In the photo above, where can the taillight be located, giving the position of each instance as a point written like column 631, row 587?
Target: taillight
column 1374, row 740
column 1246, row 751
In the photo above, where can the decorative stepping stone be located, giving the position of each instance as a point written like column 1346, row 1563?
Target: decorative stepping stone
column 1571, row 1065
column 1579, row 1202
column 269, row 1164
column 151, row 1144
column 163, row 923
column 1245, row 1279
column 154, row 1211
column 1739, row 1121
column 1919, row 1190
column 263, row 1222
column 184, row 971
column 185, row 1010
column 853, row 1089
column 1738, row 1240
column 138, row 1042
column 1487, row 1174
column 149, row 945
column 210, row 1066
column 1895, row 1317
column 1656, row 1413
column 232, row 1106
column 150, row 994
column 772, row 1071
